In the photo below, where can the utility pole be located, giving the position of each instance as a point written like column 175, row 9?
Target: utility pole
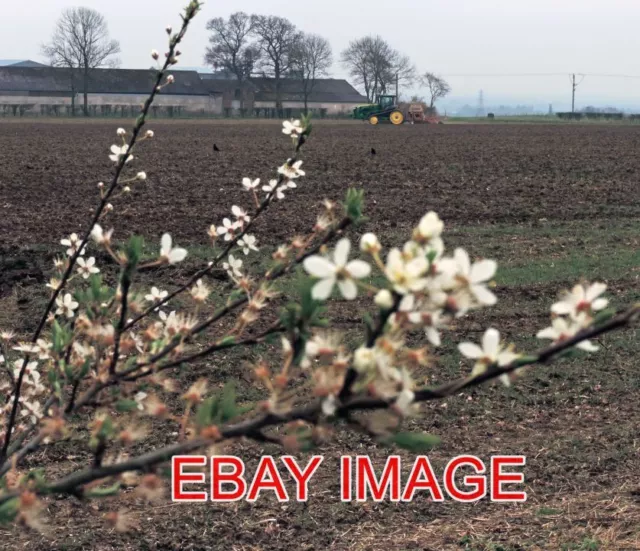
column 574, row 85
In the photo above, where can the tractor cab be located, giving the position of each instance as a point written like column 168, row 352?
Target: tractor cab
column 386, row 102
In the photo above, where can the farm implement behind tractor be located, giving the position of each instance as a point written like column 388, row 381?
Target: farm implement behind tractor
column 387, row 110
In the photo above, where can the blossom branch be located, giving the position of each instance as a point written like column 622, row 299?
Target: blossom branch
column 190, row 13
column 312, row 412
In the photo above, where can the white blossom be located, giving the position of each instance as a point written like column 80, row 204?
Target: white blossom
column 142, row 176
column 118, row 151
column 121, row 132
column 405, row 276
column 155, row 54
column 292, row 128
column 384, row 299
column 101, row 237
column 291, row 171
column 429, row 228
column 156, row 295
column 329, row 405
column 73, row 242
column 200, row 292
column 403, row 402
column 87, row 267
column 340, row 271
column 139, row 399
column 170, row 254
column 562, row 329
column 248, row 243
column 66, row 305
column 241, row 216
column 249, row 184
column 369, row 243
column 472, row 276
column 227, row 229
column 491, row 353
column 232, row 266
column 581, row 300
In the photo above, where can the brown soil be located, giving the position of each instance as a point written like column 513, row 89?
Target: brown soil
column 576, row 422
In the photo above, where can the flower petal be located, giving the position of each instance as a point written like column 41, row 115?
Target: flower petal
column 462, row 258
column 483, row 295
column 348, row 288
column 165, row 244
column 177, row 255
column 319, row 266
column 561, row 308
column 599, row 303
column 470, row 350
column 322, row 289
column 594, row 291
column 483, row 271
column 491, row 342
column 588, row 346
column 341, row 254
column 358, row 269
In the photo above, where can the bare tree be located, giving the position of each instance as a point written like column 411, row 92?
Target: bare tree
column 437, row 86
column 376, row 66
column 311, row 58
column 277, row 38
column 81, row 43
column 231, row 48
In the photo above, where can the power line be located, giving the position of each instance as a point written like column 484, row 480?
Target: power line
column 503, row 75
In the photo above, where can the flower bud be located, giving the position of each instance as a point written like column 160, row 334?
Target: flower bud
column 108, row 207
column 150, row 134
column 170, row 79
column 169, row 29
column 100, row 185
column 154, row 54
column 363, row 359
column 121, row 132
column 369, row 244
column 384, row 299
column 126, row 189
column 141, row 176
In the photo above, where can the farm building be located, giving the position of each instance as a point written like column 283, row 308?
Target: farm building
column 51, row 90
column 328, row 96
column 28, row 87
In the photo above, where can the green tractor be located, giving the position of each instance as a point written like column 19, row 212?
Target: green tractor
column 385, row 110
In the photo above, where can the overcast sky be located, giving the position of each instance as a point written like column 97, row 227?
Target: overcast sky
column 450, row 37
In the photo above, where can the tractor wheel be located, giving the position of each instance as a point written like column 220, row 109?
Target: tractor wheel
column 396, row 117
column 373, row 119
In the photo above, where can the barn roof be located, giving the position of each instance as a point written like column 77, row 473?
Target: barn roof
column 325, row 90
column 20, row 63
column 101, row 81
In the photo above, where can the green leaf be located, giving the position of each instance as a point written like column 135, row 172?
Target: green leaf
column 354, row 204
column 123, row 406
column 228, row 409
column 9, row 510
column 133, row 251
column 604, row 316
column 227, row 341
column 104, row 492
column 414, row 441
column 206, row 412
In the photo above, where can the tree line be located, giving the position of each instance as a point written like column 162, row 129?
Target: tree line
column 245, row 46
